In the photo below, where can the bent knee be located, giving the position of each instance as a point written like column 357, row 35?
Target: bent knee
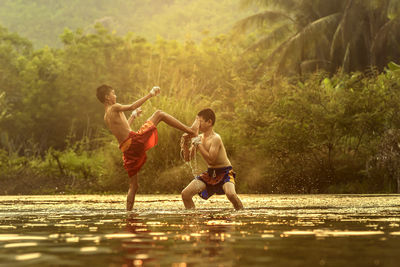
column 159, row 113
column 184, row 194
column 134, row 187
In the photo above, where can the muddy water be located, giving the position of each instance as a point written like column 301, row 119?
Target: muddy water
column 273, row 230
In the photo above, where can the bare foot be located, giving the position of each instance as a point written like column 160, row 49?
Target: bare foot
column 195, row 127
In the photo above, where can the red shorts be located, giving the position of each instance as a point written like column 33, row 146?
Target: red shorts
column 136, row 145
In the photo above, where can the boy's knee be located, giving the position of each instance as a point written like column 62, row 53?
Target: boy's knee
column 159, row 113
column 134, row 187
column 183, row 194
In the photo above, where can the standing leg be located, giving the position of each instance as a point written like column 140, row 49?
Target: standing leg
column 133, row 187
column 168, row 119
column 195, row 186
column 229, row 189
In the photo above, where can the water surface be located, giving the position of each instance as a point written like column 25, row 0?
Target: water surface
column 272, row 230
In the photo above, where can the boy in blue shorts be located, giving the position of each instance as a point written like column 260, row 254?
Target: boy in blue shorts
column 219, row 178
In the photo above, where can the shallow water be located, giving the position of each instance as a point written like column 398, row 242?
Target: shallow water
column 272, row 230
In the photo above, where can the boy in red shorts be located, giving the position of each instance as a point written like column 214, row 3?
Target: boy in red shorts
column 135, row 144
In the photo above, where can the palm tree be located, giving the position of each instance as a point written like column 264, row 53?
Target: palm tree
column 306, row 35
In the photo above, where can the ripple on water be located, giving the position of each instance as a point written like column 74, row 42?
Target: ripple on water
column 29, row 256
column 289, row 230
column 15, row 237
column 19, row 245
column 327, row 233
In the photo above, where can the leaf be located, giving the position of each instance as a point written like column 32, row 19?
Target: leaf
column 393, row 66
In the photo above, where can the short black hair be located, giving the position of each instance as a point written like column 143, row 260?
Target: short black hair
column 102, row 91
column 207, row 114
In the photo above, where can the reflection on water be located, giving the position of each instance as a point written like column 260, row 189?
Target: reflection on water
column 273, row 230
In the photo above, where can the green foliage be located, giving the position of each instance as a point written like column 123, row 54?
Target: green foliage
column 322, row 131
column 314, row 133
column 3, row 107
column 306, row 35
column 386, row 161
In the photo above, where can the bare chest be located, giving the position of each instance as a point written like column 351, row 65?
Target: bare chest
column 207, row 142
column 113, row 119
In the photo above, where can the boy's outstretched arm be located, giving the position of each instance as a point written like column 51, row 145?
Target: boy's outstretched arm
column 154, row 91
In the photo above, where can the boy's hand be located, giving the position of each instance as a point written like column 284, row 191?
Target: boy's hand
column 136, row 113
column 196, row 140
column 155, row 91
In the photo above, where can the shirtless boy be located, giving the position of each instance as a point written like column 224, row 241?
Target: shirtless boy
column 219, row 178
column 135, row 144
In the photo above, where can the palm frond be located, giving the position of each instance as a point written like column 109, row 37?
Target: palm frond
column 276, row 36
column 346, row 59
column 350, row 34
column 311, row 33
column 284, row 4
column 272, row 58
column 337, row 40
column 286, row 49
column 319, row 27
column 389, row 29
column 259, row 20
column 377, row 14
column 345, row 30
column 310, row 9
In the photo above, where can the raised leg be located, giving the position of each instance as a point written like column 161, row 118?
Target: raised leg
column 196, row 126
column 195, row 186
column 133, row 187
column 159, row 116
column 229, row 189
